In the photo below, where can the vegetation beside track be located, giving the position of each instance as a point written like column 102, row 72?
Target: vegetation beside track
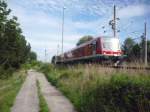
column 95, row 89
column 9, row 87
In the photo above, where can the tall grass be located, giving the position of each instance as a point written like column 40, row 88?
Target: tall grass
column 92, row 88
column 42, row 102
column 9, row 88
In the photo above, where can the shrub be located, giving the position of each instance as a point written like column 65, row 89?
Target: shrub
column 120, row 94
column 5, row 73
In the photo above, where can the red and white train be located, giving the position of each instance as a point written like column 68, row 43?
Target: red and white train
column 99, row 50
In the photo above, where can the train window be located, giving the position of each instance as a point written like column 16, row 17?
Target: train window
column 94, row 45
column 111, row 44
column 107, row 45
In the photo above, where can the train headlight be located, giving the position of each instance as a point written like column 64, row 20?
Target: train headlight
column 115, row 54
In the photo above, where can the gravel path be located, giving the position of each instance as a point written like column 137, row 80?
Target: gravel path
column 27, row 99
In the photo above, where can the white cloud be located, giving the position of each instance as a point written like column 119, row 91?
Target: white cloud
column 133, row 11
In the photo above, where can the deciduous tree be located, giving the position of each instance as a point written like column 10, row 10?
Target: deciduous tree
column 84, row 39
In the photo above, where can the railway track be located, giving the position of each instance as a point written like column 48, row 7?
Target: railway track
column 106, row 65
column 129, row 67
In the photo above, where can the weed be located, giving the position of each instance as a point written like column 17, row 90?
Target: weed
column 9, row 88
column 42, row 103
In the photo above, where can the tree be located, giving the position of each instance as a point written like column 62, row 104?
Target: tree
column 148, row 50
column 32, row 56
column 14, row 49
column 128, row 45
column 84, row 39
column 136, row 54
column 135, row 51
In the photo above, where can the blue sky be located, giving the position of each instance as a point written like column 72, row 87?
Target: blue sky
column 41, row 21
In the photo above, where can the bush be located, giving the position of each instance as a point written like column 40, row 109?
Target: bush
column 5, row 73
column 120, row 94
column 31, row 65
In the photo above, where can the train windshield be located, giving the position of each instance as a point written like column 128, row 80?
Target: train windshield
column 110, row 43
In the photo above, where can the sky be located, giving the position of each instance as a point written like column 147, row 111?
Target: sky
column 41, row 21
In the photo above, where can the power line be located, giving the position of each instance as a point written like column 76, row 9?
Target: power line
column 125, row 27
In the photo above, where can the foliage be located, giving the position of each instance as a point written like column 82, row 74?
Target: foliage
column 14, row 49
column 128, row 45
column 84, row 39
column 4, row 74
column 42, row 102
column 120, row 94
column 9, row 88
column 148, row 48
column 32, row 56
column 135, row 51
column 95, row 89
column 31, row 65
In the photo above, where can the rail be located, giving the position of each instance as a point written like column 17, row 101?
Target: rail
column 128, row 67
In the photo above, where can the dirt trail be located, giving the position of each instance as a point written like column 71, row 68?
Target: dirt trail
column 55, row 100
column 27, row 99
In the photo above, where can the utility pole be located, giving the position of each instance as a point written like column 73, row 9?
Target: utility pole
column 57, row 49
column 45, row 55
column 62, row 30
column 145, row 38
column 113, row 23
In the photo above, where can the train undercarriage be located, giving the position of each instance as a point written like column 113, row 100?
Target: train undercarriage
column 99, row 59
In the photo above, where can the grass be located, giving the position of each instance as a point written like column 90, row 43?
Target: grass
column 9, row 88
column 92, row 88
column 42, row 103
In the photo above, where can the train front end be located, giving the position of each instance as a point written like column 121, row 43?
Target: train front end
column 111, row 50
column 111, row 46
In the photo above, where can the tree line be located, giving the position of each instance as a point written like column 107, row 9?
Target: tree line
column 14, row 49
column 135, row 51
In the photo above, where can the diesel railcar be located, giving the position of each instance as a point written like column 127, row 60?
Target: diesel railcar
column 100, row 50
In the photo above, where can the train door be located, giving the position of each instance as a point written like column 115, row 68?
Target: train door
column 94, row 47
